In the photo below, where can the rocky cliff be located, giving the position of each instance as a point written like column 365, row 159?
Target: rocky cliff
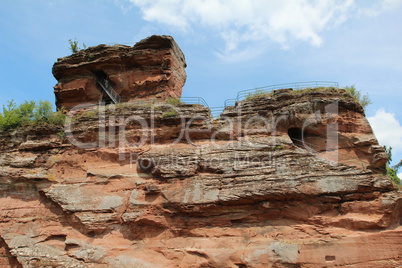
column 289, row 179
column 152, row 68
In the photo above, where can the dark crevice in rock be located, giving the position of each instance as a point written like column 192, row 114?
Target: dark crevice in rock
column 65, row 218
column 6, row 259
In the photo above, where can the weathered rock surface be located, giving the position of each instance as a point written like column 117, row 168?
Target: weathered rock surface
column 169, row 186
column 328, row 122
column 152, row 68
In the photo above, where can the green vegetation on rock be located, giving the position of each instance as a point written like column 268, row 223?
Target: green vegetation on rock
column 260, row 93
column 313, row 89
column 364, row 100
column 169, row 113
column 173, row 101
column 74, row 46
column 357, row 96
column 392, row 171
column 29, row 113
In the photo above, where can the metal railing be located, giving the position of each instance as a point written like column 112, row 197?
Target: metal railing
column 216, row 111
column 145, row 102
column 109, row 90
column 243, row 94
column 153, row 101
column 194, row 100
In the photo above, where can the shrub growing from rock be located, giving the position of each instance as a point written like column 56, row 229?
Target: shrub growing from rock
column 29, row 113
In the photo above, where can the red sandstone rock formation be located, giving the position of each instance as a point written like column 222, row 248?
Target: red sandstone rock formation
column 190, row 191
column 152, row 68
column 328, row 122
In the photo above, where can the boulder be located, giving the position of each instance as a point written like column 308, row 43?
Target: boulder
column 153, row 68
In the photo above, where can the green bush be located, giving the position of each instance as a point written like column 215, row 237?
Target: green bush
column 11, row 116
column 364, row 100
column 26, row 110
column 394, row 177
column 173, row 101
column 169, row 113
column 29, row 113
column 58, row 118
column 43, row 111
column 392, row 171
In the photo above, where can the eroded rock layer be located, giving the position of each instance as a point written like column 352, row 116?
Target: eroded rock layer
column 152, row 68
column 164, row 186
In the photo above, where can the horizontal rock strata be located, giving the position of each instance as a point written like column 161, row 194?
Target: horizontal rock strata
column 170, row 186
column 152, row 68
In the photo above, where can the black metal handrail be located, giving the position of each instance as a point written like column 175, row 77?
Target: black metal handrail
column 241, row 95
column 230, row 102
column 152, row 101
column 194, row 100
column 216, row 111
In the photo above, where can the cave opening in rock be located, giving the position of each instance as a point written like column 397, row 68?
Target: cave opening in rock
column 296, row 135
column 100, row 74
column 308, row 140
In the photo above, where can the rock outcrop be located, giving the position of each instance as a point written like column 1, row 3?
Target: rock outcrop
column 169, row 186
column 152, row 68
column 328, row 122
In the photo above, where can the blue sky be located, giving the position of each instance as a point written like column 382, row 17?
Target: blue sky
column 229, row 45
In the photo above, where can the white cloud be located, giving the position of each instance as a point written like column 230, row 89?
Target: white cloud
column 378, row 7
column 239, row 21
column 387, row 129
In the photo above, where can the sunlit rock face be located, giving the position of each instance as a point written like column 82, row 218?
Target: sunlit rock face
column 287, row 179
column 152, row 68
